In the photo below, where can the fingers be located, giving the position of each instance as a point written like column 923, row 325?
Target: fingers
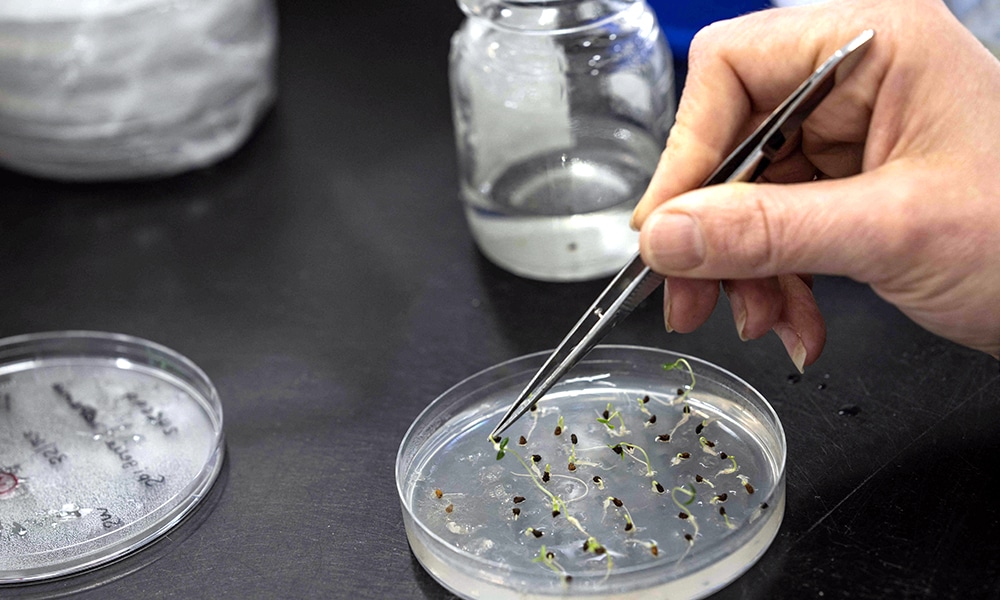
column 800, row 326
column 687, row 303
column 756, row 305
column 737, row 75
column 783, row 304
column 856, row 227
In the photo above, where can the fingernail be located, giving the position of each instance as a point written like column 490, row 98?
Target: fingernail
column 666, row 309
column 793, row 345
column 675, row 241
column 739, row 313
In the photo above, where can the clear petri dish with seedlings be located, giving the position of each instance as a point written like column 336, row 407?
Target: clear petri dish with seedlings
column 643, row 471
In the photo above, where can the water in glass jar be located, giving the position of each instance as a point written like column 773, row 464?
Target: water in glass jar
column 564, row 214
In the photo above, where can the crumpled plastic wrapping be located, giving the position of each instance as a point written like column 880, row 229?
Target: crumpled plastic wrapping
column 122, row 89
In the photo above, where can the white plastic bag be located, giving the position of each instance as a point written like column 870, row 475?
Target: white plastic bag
column 117, row 89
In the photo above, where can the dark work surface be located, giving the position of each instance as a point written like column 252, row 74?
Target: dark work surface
column 325, row 280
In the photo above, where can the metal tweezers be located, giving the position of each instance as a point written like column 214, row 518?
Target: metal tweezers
column 636, row 281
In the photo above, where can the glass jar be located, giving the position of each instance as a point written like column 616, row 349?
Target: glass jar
column 561, row 111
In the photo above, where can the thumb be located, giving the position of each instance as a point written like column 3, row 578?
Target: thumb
column 855, row 227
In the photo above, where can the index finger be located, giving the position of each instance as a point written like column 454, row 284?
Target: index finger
column 739, row 71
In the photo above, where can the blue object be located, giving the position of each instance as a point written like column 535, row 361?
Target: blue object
column 681, row 19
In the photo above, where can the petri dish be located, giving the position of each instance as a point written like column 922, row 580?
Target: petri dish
column 643, row 473
column 107, row 442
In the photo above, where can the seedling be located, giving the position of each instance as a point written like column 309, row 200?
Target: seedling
column 685, row 514
column 678, row 364
column 732, row 468
column 501, row 447
column 629, row 524
column 559, row 426
column 623, row 448
column 548, row 558
column 746, row 483
column 719, row 498
column 700, row 479
column 608, row 416
column 729, row 524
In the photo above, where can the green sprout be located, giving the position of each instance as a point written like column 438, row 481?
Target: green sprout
column 730, row 469
column 629, row 524
column 685, row 512
column 631, row 448
column 729, row 524
column 610, row 415
column 501, row 447
column 548, row 558
column 677, row 364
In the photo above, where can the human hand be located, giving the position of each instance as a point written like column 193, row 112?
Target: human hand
column 894, row 180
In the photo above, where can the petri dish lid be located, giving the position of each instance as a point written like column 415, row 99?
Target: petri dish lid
column 107, row 441
column 643, row 473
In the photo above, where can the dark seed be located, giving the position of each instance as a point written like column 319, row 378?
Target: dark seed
column 522, row 440
column 536, row 457
column 851, row 410
column 597, row 479
column 710, row 443
column 645, row 399
column 586, row 545
column 663, row 438
column 573, row 438
column 606, row 414
column 699, row 478
column 684, row 455
column 699, row 428
column 722, row 510
column 496, row 439
column 680, row 391
column 567, row 578
column 558, row 430
column 617, row 448
column 763, row 506
column 723, row 497
column 534, row 407
column 516, row 511
column 571, row 466
column 628, row 526
column 550, row 555
column 617, row 502
column 659, row 488
column 748, row 487
column 723, row 455
column 518, row 499
column 682, row 515
column 599, row 550
column 545, row 477
column 652, row 419
column 555, row 513
column 536, row 533
column 687, row 409
column 688, row 537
